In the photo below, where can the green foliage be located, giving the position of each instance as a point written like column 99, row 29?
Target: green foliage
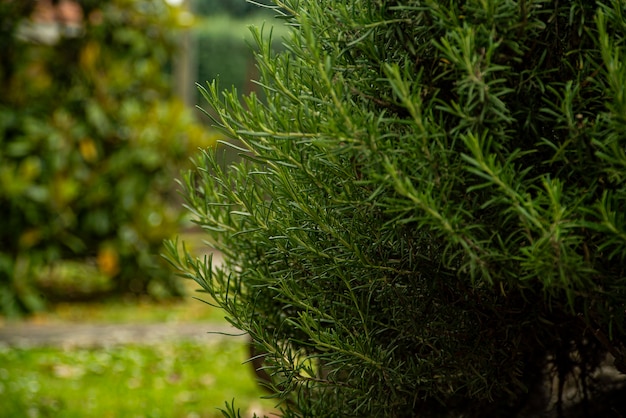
column 237, row 8
column 224, row 53
column 90, row 141
column 428, row 219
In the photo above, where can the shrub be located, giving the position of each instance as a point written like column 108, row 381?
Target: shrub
column 90, row 140
column 224, row 53
column 237, row 8
column 429, row 217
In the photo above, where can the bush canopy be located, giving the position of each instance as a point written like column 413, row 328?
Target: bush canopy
column 91, row 139
column 429, row 214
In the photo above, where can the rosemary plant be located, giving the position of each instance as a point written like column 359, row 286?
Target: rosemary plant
column 428, row 217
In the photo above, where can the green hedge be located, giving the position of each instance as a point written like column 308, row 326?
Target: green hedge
column 237, row 8
column 90, row 142
column 224, row 50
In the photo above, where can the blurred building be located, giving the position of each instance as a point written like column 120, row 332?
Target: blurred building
column 51, row 21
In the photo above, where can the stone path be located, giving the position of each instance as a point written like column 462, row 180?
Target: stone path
column 103, row 335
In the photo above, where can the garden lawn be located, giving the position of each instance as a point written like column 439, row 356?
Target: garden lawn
column 169, row 380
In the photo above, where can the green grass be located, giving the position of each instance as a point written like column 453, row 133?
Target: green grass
column 184, row 379
column 168, row 380
column 174, row 379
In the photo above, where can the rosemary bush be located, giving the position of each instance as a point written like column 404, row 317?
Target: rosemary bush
column 428, row 218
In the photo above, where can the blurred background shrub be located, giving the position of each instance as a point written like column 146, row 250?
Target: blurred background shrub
column 235, row 8
column 91, row 140
column 224, row 42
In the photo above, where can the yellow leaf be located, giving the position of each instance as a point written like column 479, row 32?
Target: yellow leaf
column 108, row 261
column 88, row 150
column 89, row 55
